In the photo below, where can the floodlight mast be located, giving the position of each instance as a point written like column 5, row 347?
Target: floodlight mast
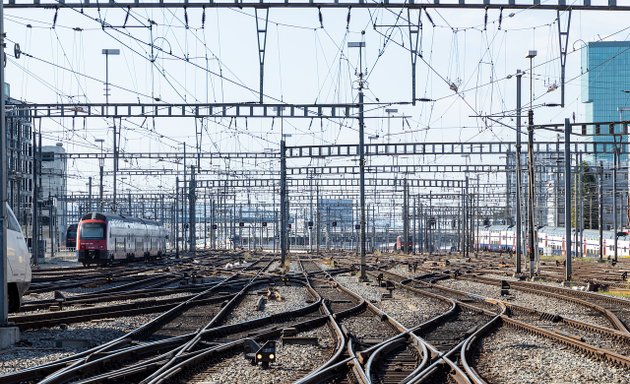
column 362, row 221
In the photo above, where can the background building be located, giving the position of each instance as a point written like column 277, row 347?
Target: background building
column 606, row 94
column 53, row 191
column 20, row 160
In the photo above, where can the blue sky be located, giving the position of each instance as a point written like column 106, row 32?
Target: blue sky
column 304, row 64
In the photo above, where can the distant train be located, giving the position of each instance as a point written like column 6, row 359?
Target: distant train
column 105, row 238
column 551, row 241
column 18, row 262
column 71, row 236
column 400, row 244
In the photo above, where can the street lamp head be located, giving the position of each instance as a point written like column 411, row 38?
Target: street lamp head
column 356, row 44
column 391, row 110
column 532, row 54
column 110, row 51
column 425, row 99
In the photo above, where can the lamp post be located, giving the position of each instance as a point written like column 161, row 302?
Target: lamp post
column 530, row 169
column 361, row 45
column 101, row 163
column 284, row 204
column 370, row 138
column 389, row 112
column 107, row 53
column 465, row 221
column 616, row 153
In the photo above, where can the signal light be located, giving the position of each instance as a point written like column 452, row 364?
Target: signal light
column 266, row 354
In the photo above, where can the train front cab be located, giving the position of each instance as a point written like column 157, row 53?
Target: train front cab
column 92, row 242
column 18, row 263
column 71, row 236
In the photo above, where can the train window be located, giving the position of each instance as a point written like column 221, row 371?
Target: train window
column 13, row 223
column 92, row 231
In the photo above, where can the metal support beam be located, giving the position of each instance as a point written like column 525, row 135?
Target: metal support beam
column 362, row 221
column 198, row 141
column 256, row 183
column 519, row 186
column 405, row 218
column 288, row 4
column 567, row 200
column 564, row 16
column 4, row 297
column 351, row 150
column 414, row 16
column 284, row 214
column 176, row 239
column 261, row 32
column 199, row 110
column 192, row 202
column 600, row 215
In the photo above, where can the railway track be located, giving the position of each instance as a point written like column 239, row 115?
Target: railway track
column 616, row 310
column 351, row 340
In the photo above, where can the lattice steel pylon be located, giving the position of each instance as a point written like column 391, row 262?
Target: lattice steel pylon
column 261, row 32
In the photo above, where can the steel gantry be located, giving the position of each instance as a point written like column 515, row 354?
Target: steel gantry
column 158, row 110
column 351, row 150
column 581, row 5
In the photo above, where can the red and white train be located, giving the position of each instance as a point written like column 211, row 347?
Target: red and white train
column 105, row 238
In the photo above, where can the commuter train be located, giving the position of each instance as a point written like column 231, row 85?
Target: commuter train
column 551, row 241
column 18, row 262
column 105, row 238
column 400, row 244
column 71, row 236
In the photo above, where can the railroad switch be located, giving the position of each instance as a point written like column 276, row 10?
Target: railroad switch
column 379, row 279
column 390, row 288
column 260, row 304
column 60, row 299
column 505, row 288
column 273, row 294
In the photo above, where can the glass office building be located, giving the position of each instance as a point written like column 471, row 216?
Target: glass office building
column 606, row 89
column 606, row 97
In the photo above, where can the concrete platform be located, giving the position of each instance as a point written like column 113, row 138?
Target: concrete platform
column 9, row 336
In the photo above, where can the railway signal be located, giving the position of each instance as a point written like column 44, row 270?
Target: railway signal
column 266, row 354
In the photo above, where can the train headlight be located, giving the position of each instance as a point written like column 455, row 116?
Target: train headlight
column 259, row 356
column 272, row 356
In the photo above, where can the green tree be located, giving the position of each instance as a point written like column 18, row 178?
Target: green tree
column 589, row 195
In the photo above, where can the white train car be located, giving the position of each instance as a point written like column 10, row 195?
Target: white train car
column 551, row 241
column 18, row 262
column 496, row 238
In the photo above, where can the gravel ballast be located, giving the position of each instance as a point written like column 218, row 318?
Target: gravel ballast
column 46, row 345
column 293, row 298
column 513, row 356
column 546, row 304
column 293, row 361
